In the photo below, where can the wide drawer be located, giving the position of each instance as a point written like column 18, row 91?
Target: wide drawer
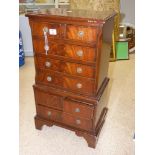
column 66, row 67
column 78, row 85
column 78, row 109
column 81, row 33
column 53, row 30
column 47, row 99
column 59, row 116
column 75, row 52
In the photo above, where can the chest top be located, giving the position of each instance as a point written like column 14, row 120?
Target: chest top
column 74, row 15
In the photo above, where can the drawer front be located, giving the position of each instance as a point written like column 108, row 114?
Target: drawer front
column 53, row 30
column 66, row 67
column 46, row 99
column 59, row 116
column 49, row 113
column 65, row 50
column 81, row 33
column 80, row 85
column 77, row 122
column 77, row 109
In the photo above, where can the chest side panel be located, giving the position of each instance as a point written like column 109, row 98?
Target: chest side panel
column 106, row 47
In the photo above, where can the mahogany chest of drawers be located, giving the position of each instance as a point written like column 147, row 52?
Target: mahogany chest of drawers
column 71, row 53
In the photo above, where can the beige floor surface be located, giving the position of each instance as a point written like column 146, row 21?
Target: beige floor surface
column 116, row 137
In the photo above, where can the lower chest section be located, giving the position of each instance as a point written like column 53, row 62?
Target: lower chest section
column 65, row 110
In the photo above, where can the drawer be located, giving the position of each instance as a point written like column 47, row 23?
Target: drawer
column 49, row 113
column 77, row 122
column 66, row 67
column 47, row 99
column 59, row 116
column 81, row 33
column 53, row 30
column 80, row 85
column 75, row 52
column 78, row 109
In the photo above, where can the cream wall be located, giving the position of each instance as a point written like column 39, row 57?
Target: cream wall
column 26, row 35
column 127, row 8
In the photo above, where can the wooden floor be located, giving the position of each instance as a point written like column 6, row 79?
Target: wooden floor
column 116, row 137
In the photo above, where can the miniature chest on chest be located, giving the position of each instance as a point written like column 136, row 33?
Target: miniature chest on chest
column 71, row 53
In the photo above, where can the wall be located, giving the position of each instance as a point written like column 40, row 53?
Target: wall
column 26, row 35
column 127, row 8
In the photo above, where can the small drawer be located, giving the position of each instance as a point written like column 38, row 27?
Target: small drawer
column 78, row 109
column 77, row 122
column 75, row 52
column 53, row 30
column 79, row 85
column 80, row 52
column 46, row 99
column 49, row 113
column 66, row 67
column 81, row 33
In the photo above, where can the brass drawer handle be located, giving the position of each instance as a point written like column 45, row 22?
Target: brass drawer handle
column 48, row 64
column 45, row 29
column 81, row 33
column 49, row 113
column 46, row 47
column 79, row 70
column 79, row 85
column 78, row 121
column 77, row 110
column 79, row 53
column 49, row 78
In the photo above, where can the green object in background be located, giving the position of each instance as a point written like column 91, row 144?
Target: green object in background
column 122, row 50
